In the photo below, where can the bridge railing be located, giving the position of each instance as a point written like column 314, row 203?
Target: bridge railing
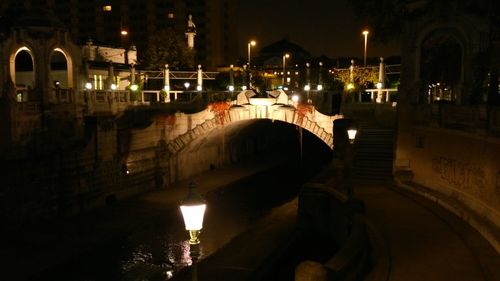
column 62, row 96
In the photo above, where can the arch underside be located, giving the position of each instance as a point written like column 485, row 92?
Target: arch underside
column 320, row 128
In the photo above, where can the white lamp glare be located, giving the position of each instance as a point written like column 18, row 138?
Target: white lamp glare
column 351, row 133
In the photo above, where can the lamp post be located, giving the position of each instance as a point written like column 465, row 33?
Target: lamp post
column 319, row 87
column 285, row 56
column 250, row 45
column 365, row 33
column 193, row 209
column 351, row 134
column 349, row 158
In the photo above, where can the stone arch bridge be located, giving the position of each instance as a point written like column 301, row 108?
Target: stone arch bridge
column 276, row 106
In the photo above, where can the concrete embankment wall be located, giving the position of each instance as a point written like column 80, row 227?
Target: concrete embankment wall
column 461, row 171
column 114, row 162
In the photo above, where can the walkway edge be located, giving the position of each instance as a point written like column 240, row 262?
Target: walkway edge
column 462, row 221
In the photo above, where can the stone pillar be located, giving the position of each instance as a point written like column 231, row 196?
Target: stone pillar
column 199, row 83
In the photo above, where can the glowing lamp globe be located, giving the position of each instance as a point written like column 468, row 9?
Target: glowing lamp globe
column 351, row 134
column 88, row 86
column 193, row 210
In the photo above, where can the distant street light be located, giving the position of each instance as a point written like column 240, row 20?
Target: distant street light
column 285, row 56
column 186, row 85
column 250, row 45
column 365, row 33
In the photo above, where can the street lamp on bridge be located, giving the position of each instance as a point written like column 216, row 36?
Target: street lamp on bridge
column 285, row 56
column 365, row 33
column 250, row 45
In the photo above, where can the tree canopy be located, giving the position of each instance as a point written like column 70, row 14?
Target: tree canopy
column 168, row 47
column 386, row 16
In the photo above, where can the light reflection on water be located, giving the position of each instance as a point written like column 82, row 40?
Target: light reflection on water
column 157, row 259
column 157, row 248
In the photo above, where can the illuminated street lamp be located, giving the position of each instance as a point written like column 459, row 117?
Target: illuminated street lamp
column 351, row 134
column 193, row 209
column 365, row 33
column 250, row 45
column 88, row 86
column 186, row 85
column 285, row 56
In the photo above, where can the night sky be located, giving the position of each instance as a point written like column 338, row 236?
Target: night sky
column 322, row 27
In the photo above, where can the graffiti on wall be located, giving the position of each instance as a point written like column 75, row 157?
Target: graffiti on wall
column 458, row 173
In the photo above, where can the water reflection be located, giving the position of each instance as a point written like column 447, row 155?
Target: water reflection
column 157, row 247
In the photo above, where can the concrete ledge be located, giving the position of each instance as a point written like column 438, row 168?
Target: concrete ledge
column 325, row 211
column 350, row 262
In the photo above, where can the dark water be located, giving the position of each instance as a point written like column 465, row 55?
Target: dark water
column 156, row 247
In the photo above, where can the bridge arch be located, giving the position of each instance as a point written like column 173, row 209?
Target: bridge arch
column 204, row 122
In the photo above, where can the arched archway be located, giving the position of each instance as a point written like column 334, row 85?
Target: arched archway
column 61, row 69
column 22, row 73
column 440, row 57
column 441, row 66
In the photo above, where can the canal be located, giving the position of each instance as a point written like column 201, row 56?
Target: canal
column 154, row 246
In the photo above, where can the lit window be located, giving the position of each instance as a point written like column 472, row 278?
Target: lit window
column 106, row 8
column 170, row 15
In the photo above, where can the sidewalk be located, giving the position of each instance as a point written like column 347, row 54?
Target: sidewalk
column 419, row 240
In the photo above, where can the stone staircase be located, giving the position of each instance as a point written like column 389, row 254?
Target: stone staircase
column 373, row 154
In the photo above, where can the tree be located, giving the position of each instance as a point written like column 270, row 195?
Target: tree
column 385, row 17
column 168, row 47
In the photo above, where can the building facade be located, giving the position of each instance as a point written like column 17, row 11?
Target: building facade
column 124, row 23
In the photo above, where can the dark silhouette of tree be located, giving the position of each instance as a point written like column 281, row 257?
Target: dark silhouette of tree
column 386, row 17
column 168, row 47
